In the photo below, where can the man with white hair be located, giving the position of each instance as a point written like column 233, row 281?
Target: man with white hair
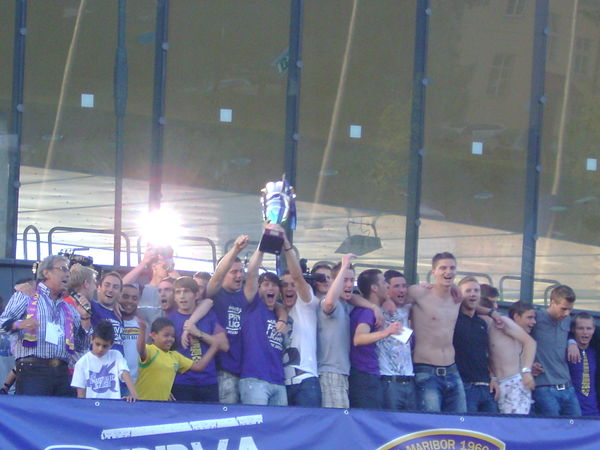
column 48, row 330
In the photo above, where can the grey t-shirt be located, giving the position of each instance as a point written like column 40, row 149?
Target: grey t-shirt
column 150, row 297
column 333, row 343
column 551, row 338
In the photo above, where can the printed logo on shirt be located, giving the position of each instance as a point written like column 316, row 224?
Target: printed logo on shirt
column 234, row 324
column 103, row 380
column 275, row 337
column 195, row 349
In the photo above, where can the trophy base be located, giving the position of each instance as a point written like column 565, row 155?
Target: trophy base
column 271, row 242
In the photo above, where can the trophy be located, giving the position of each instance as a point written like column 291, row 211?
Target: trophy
column 278, row 200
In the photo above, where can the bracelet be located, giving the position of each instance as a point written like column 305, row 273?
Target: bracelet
column 491, row 311
column 287, row 249
column 281, row 320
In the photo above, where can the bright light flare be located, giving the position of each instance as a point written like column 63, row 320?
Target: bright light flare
column 161, row 228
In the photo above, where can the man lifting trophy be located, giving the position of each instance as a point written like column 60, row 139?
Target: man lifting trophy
column 278, row 201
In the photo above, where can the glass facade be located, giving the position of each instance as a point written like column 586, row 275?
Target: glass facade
column 223, row 102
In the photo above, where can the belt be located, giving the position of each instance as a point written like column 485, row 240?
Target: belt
column 440, row 371
column 558, row 387
column 477, row 383
column 51, row 362
column 397, row 378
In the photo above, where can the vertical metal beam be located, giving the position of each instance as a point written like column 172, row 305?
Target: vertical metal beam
column 120, row 98
column 16, row 129
column 158, row 108
column 292, row 109
column 536, row 111
column 417, row 141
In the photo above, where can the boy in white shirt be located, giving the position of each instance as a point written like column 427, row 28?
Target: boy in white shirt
column 98, row 372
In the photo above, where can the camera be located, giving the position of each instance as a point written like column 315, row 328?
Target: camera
column 87, row 261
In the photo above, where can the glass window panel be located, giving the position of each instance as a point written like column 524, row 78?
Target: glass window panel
column 569, row 215
column 477, row 117
column 355, row 131
column 226, row 98
column 7, row 141
column 68, row 151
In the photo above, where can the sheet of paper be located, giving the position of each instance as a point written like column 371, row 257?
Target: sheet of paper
column 404, row 336
column 53, row 333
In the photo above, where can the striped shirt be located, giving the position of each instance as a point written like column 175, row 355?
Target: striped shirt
column 48, row 310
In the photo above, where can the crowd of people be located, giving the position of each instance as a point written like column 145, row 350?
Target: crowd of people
column 321, row 339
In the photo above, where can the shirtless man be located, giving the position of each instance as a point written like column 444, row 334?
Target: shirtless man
column 434, row 313
column 512, row 351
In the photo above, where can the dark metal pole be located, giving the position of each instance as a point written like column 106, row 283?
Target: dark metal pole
column 158, row 109
column 532, row 182
column 16, row 129
column 120, row 96
column 417, row 139
column 292, row 111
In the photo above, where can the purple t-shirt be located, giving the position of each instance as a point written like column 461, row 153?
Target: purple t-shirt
column 363, row 357
column 228, row 308
column 262, row 345
column 197, row 349
column 99, row 313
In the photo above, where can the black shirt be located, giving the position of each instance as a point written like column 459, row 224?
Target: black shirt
column 471, row 344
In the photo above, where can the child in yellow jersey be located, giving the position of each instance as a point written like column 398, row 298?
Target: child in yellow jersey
column 158, row 363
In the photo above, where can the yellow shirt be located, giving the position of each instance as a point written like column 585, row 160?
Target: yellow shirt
column 157, row 372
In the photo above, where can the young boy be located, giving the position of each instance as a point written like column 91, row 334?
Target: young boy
column 158, row 363
column 98, row 372
column 207, row 338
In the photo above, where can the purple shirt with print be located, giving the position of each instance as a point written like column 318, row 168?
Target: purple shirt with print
column 228, row 308
column 262, row 345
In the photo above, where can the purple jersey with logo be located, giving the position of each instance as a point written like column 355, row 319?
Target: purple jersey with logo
column 363, row 357
column 99, row 313
column 262, row 345
column 228, row 308
column 197, row 349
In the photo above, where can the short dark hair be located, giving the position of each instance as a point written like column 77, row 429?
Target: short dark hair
column 320, row 265
column 439, row 256
column 489, row 291
column 186, row 283
column 520, row 307
column 131, row 285
column 389, row 274
column 581, row 315
column 269, row 276
column 105, row 331
column 160, row 323
column 562, row 292
column 112, row 274
column 366, row 279
column 202, row 276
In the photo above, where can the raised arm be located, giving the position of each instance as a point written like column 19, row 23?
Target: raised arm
column 141, row 339
column 293, row 265
column 134, row 274
column 201, row 310
column 215, row 282
column 337, row 286
column 251, row 286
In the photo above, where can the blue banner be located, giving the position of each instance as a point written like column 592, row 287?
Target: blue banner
column 57, row 423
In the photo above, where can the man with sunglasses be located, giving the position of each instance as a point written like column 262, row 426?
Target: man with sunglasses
column 48, row 331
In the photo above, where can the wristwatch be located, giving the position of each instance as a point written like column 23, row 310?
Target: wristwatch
column 525, row 370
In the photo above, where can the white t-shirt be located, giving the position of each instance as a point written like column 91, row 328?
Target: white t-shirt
column 131, row 330
column 100, row 376
column 303, row 318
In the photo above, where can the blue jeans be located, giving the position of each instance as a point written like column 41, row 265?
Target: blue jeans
column 305, row 393
column 259, row 392
column 479, row 398
column 439, row 388
column 549, row 401
column 37, row 378
column 365, row 390
column 399, row 393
